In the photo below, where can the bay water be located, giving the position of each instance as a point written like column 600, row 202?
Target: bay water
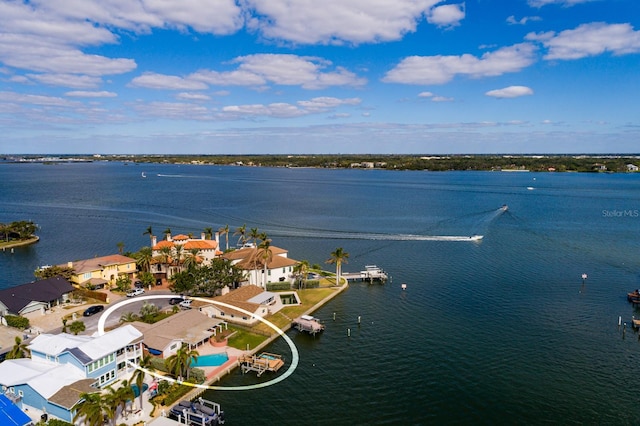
column 503, row 330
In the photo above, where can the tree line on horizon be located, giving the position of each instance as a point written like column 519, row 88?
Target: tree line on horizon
column 460, row 162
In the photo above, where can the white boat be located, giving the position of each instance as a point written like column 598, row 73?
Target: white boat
column 143, row 175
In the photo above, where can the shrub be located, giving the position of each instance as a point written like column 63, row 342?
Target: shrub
column 197, row 375
column 17, row 321
column 56, row 422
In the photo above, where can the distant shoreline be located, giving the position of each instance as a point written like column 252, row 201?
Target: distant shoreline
column 588, row 163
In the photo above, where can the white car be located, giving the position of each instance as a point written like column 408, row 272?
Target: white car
column 135, row 292
column 186, row 303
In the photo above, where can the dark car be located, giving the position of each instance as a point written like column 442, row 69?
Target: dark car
column 93, row 310
column 138, row 284
column 175, row 300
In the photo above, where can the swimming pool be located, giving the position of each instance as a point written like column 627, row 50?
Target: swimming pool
column 211, row 360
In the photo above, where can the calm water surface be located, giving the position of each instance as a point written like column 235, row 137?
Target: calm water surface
column 501, row 331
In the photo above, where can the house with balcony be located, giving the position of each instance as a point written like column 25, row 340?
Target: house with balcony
column 63, row 366
column 169, row 254
column 279, row 267
column 103, row 271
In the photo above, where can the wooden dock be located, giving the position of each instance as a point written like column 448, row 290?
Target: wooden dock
column 371, row 273
column 265, row 361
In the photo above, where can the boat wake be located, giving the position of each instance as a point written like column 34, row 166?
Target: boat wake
column 380, row 237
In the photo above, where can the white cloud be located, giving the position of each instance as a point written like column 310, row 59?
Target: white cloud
column 39, row 100
column 281, row 69
column 589, row 40
column 67, row 80
column 566, row 3
column 447, row 15
column 206, row 16
column 510, row 92
column 440, row 69
column 425, row 94
column 441, row 99
column 152, row 80
column 511, row 20
column 192, row 96
column 337, row 21
column 86, row 94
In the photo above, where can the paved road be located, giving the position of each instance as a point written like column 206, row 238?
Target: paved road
column 52, row 322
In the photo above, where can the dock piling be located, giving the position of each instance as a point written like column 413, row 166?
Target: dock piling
column 348, row 332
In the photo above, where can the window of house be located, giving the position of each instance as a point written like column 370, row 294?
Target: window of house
column 20, row 393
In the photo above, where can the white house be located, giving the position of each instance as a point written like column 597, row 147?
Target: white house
column 252, row 259
column 249, row 298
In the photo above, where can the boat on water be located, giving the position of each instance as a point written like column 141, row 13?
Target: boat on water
column 504, row 208
column 144, row 175
column 201, row 412
column 308, row 324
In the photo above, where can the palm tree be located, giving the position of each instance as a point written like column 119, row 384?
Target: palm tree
column 208, row 233
column 129, row 317
column 265, row 255
column 90, row 410
column 254, row 235
column 302, row 270
column 339, row 256
column 19, row 350
column 144, row 258
column 179, row 255
column 139, row 374
column 164, row 258
column 225, row 231
column 178, row 364
column 150, row 232
column 116, row 399
column 191, row 260
column 120, row 247
column 77, row 327
column 166, row 233
column 242, row 231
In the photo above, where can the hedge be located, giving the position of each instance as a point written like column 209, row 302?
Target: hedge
column 17, row 321
column 278, row 286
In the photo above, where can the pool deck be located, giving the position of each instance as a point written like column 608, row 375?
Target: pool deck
column 215, row 373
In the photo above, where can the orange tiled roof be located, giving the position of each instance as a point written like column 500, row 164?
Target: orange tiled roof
column 163, row 243
column 201, row 245
column 180, row 237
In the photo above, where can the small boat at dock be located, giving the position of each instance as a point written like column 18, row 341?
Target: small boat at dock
column 200, row 412
column 308, row 324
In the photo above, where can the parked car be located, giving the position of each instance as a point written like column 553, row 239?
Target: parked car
column 176, row 300
column 138, row 284
column 135, row 292
column 186, row 304
column 91, row 310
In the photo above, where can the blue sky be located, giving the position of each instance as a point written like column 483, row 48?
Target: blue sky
column 330, row 76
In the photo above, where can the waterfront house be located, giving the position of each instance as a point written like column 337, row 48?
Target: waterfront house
column 99, row 272
column 632, row 167
column 179, row 247
column 249, row 298
column 251, row 261
column 34, row 296
column 190, row 326
column 63, row 366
